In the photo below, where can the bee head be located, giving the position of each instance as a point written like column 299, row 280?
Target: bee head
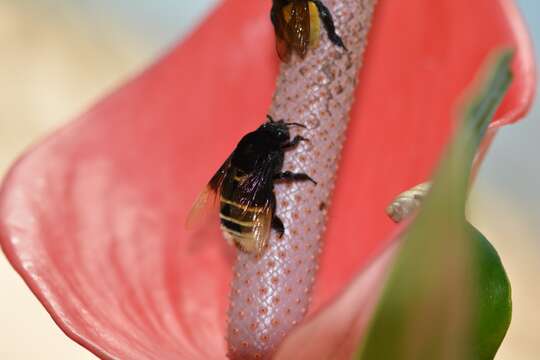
column 279, row 129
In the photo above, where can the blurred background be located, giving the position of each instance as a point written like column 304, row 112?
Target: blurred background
column 57, row 57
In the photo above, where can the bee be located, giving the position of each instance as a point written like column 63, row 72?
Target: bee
column 297, row 24
column 244, row 186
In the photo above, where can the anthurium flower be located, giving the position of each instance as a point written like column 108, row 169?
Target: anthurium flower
column 92, row 216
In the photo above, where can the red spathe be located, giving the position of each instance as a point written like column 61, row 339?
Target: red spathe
column 92, row 218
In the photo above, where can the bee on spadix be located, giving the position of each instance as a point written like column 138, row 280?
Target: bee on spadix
column 297, row 24
column 244, row 186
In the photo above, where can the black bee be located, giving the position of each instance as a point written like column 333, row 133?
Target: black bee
column 244, row 185
column 297, row 26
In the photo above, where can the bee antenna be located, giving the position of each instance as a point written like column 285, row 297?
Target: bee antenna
column 297, row 124
column 270, row 118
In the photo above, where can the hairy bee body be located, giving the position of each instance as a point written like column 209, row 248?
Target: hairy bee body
column 245, row 186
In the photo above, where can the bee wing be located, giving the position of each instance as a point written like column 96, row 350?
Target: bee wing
column 282, row 44
column 256, row 243
column 298, row 28
column 283, row 49
column 255, row 194
column 208, row 199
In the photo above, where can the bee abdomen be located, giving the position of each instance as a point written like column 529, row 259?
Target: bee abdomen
column 237, row 224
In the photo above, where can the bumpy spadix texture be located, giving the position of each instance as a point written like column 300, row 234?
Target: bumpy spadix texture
column 271, row 293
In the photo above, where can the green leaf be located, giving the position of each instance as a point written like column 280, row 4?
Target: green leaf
column 447, row 295
column 491, row 292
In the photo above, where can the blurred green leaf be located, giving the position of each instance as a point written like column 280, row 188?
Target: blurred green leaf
column 492, row 296
column 447, row 295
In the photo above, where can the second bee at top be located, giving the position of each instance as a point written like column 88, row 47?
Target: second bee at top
column 297, row 24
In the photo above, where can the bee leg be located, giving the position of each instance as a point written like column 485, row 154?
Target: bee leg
column 277, row 225
column 328, row 22
column 290, row 176
column 297, row 139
